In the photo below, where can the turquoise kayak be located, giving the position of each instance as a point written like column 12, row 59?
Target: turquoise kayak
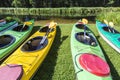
column 7, row 26
column 111, row 36
column 11, row 39
column 88, row 58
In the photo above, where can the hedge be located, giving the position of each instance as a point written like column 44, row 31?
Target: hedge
column 59, row 12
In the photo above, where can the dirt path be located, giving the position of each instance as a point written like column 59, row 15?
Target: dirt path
column 58, row 20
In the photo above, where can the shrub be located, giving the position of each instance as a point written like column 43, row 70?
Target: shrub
column 111, row 16
column 9, row 19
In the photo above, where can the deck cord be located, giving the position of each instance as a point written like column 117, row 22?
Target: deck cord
column 77, row 65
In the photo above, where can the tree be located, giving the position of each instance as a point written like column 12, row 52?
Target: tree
column 17, row 3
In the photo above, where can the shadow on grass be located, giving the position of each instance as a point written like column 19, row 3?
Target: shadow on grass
column 114, row 73
column 35, row 28
column 97, row 37
column 46, row 71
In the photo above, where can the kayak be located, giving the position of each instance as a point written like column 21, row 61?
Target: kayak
column 89, row 61
column 25, row 61
column 2, row 22
column 11, row 39
column 112, row 38
column 7, row 26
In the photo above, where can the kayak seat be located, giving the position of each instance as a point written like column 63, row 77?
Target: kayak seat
column 108, row 29
column 81, row 26
column 34, row 44
column 11, row 72
column 88, row 39
column 6, row 40
column 94, row 64
column 20, row 28
column 45, row 29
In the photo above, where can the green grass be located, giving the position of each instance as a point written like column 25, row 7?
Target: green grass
column 58, row 64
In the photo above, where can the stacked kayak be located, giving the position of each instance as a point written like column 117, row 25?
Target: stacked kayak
column 7, row 26
column 24, row 62
column 2, row 22
column 11, row 39
column 89, row 61
column 110, row 35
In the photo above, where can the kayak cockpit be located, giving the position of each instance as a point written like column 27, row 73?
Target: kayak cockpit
column 34, row 44
column 6, row 40
column 45, row 29
column 111, row 30
column 21, row 28
column 81, row 26
column 88, row 39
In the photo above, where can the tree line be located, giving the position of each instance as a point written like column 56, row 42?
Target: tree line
column 59, row 3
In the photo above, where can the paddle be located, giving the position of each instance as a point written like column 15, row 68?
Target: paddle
column 85, row 21
column 25, row 23
column 106, row 22
column 50, row 27
column 112, row 26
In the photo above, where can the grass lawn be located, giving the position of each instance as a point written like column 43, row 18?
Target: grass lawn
column 58, row 64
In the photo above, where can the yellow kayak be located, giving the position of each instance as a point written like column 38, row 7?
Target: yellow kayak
column 25, row 61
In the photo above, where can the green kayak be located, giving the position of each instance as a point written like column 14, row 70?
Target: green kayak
column 7, row 26
column 12, row 38
column 89, row 61
column 110, row 35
